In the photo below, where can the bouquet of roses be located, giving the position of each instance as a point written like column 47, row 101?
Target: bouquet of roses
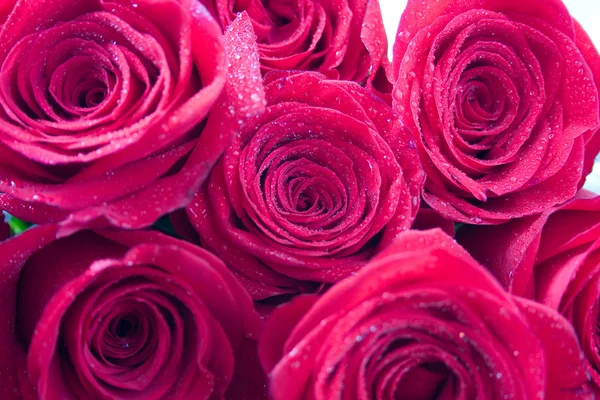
column 248, row 200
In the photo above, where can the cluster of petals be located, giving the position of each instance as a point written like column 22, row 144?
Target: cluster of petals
column 502, row 98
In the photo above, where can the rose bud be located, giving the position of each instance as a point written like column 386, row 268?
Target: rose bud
column 502, row 97
column 421, row 321
column 118, row 315
column 310, row 190
column 343, row 39
column 553, row 258
column 116, row 110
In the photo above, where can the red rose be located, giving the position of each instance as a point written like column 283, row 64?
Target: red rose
column 422, row 321
column 553, row 258
column 502, row 97
column 117, row 315
column 117, row 109
column 343, row 39
column 310, row 190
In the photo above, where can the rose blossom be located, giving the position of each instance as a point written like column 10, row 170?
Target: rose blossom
column 421, row 321
column 502, row 97
column 553, row 258
column 118, row 315
column 343, row 39
column 117, row 109
column 310, row 190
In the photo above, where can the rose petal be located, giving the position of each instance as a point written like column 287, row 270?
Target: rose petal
column 567, row 378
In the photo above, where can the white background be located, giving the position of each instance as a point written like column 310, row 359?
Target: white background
column 587, row 12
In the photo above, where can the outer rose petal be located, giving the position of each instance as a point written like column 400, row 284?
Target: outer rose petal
column 427, row 219
column 5, row 9
column 563, row 362
column 418, row 15
column 249, row 381
column 552, row 258
column 34, row 213
column 374, row 38
column 282, row 322
column 15, row 253
column 181, row 224
column 512, row 250
column 592, row 58
column 326, row 343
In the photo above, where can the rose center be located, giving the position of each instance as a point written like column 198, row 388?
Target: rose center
column 307, row 200
column 309, row 195
column 479, row 110
column 92, row 98
column 424, row 382
column 80, row 86
column 478, row 96
column 125, row 327
column 304, row 204
column 126, row 334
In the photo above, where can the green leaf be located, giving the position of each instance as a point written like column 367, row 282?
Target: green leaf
column 16, row 225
